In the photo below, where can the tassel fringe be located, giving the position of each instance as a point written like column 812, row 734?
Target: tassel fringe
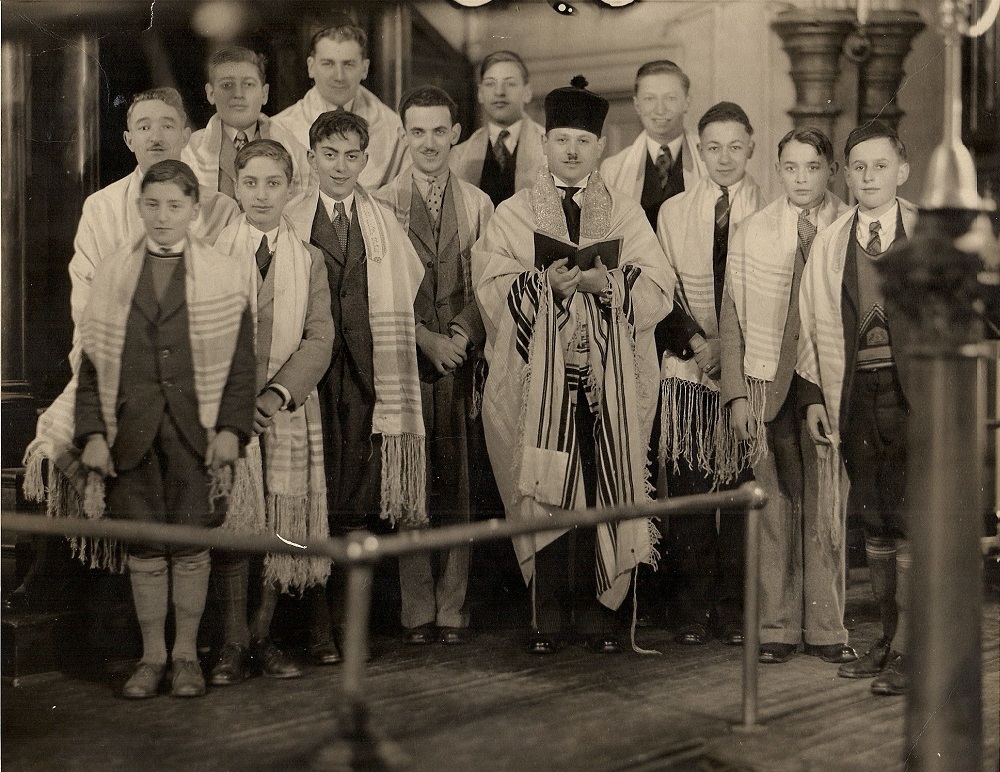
column 404, row 479
column 296, row 519
column 635, row 616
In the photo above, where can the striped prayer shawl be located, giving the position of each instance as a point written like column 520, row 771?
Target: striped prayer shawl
column 822, row 357
column 293, row 501
column 693, row 423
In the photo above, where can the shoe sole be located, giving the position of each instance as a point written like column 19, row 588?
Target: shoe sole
column 859, row 675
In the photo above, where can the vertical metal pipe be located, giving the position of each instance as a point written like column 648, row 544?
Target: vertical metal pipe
column 359, row 589
column 751, row 622
column 946, row 452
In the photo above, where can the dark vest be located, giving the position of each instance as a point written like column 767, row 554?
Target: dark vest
column 653, row 194
column 348, row 277
column 496, row 183
column 157, row 374
column 442, row 291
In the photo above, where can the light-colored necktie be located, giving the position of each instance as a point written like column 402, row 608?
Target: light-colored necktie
column 807, row 232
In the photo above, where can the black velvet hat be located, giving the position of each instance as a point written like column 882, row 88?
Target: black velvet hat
column 573, row 107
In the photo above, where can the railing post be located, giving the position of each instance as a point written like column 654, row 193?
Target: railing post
column 751, row 622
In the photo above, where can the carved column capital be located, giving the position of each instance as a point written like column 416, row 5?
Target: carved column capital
column 891, row 34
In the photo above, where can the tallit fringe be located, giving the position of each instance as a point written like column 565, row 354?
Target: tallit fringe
column 220, row 486
column 635, row 616
column 63, row 499
column 296, row 519
column 246, row 501
column 756, row 398
column 694, row 426
column 404, row 479
column 831, row 499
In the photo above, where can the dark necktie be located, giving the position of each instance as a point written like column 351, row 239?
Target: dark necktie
column 240, row 141
column 340, row 225
column 263, row 257
column 500, row 151
column 874, row 241
column 572, row 211
column 807, row 232
column 663, row 163
column 435, row 197
column 720, row 245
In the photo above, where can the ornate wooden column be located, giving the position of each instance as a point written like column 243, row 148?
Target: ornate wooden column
column 890, row 34
column 814, row 41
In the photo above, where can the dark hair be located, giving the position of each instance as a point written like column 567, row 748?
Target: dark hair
column 809, row 135
column 173, row 171
column 429, row 96
column 341, row 123
column 165, row 94
column 875, row 129
column 236, row 54
column 662, row 67
column 504, row 56
column 264, row 148
column 339, row 33
column 723, row 112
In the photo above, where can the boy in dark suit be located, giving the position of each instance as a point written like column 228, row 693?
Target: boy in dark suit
column 165, row 399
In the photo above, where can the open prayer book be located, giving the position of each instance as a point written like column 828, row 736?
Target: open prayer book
column 548, row 250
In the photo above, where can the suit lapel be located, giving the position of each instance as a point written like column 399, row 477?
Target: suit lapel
column 145, row 295
column 420, row 220
column 323, row 235
column 174, row 297
column 449, row 219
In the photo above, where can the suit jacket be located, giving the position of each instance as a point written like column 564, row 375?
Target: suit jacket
column 157, row 377
column 303, row 370
column 466, row 159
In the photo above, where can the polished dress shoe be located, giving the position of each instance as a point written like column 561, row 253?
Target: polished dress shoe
column 186, row 679
column 325, row 653
column 145, row 681
column 419, row 636
column 732, row 634
column 893, row 679
column 231, row 669
column 691, row 635
column 868, row 665
column 453, row 636
column 835, row 653
column 542, row 644
column 272, row 661
column 604, row 644
column 775, row 653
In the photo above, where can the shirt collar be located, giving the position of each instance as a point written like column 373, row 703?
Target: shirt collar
column 252, row 133
column 427, row 179
column 158, row 249
column 731, row 188
column 272, row 236
column 329, row 202
column 675, row 146
column 580, row 184
column 813, row 211
column 887, row 221
column 514, row 133
column 349, row 107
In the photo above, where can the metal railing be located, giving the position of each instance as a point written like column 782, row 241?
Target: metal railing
column 360, row 552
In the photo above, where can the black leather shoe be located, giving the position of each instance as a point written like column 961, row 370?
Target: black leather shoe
column 775, row 653
column 836, row 653
column 325, row 653
column 453, row 636
column 893, row 679
column 604, row 644
column 542, row 644
column 419, row 636
column 272, row 661
column 691, row 635
column 732, row 634
column 870, row 664
column 231, row 669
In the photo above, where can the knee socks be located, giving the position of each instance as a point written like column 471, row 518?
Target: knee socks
column 150, row 588
column 190, row 578
column 904, row 561
column 265, row 611
column 881, row 554
column 229, row 578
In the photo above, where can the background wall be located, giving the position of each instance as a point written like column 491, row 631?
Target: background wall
column 727, row 48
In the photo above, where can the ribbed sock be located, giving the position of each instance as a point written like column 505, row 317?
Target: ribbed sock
column 265, row 611
column 881, row 554
column 904, row 562
column 230, row 580
column 150, row 588
column 190, row 576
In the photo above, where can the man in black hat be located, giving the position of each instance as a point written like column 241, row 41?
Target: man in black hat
column 571, row 281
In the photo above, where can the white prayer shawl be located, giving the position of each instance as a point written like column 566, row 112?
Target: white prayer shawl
column 626, row 169
column 110, row 221
column 394, row 276
column 294, row 505
column 205, row 146
column 217, row 293
column 686, row 233
column 466, row 159
column 822, row 357
column 527, row 415
column 386, row 151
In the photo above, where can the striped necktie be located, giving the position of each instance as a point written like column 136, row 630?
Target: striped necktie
column 874, row 241
column 340, row 225
column 663, row 163
column 500, row 151
column 807, row 232
column 240, row 141
column 722, row 213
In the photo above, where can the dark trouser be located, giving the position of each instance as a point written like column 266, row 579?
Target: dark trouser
column 169, row 485
column 873, row 440
column 566, row 569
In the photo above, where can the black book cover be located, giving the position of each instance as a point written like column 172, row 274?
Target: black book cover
column 548, row 250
